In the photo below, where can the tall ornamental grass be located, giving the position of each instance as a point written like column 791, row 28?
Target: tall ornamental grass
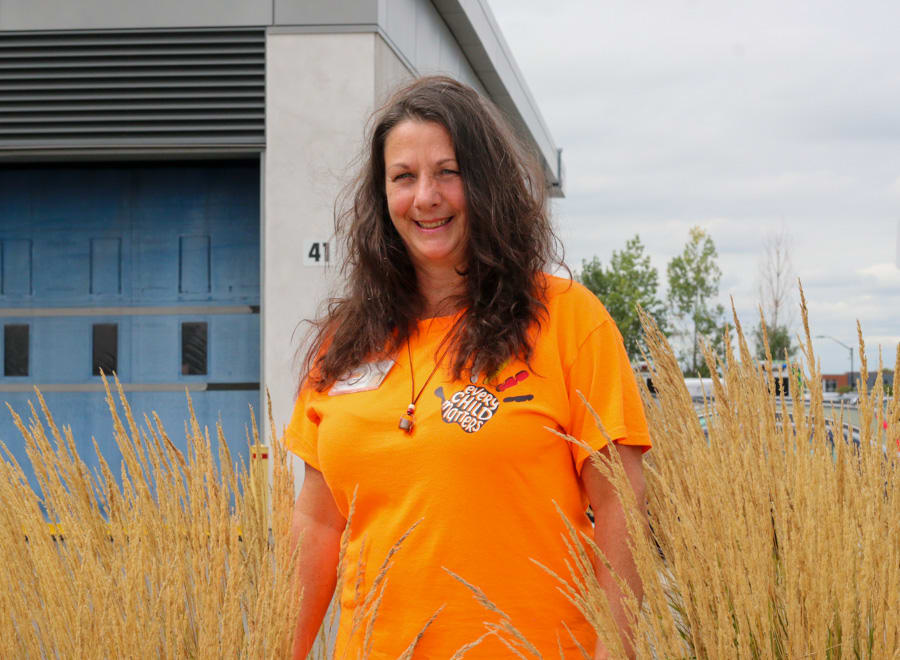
column 168, row 555
column 767, row 538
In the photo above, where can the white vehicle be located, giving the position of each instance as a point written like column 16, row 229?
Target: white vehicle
column 699, row 387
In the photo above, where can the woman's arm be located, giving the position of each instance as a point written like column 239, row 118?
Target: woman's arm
column 610, row 534
column 317, row 525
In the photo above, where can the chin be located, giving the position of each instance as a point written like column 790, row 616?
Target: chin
column 441, row 259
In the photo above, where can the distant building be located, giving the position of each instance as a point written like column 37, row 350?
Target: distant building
column 781, row 377
column 887, row 378
column 833, row 382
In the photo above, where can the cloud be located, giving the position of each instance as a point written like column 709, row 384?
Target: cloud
column 881, row 276
column 876, row 315
column 884, row 340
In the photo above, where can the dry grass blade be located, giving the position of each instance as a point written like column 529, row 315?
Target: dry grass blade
column 516, row 638
column 367, row 607
column 462, row 651
column 581, row 649
column 408, row 653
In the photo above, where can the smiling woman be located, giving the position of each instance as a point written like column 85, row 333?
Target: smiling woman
column 428, row 389
column 426, row 200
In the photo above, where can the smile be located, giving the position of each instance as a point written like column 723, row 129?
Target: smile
column 433, row 224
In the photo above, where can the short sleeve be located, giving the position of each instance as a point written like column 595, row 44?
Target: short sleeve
column 602, row 372
column 302, row 434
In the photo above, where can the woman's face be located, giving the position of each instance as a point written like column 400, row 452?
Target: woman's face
column 425, row 194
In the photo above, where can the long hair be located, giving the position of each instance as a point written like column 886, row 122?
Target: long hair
column 510, row 243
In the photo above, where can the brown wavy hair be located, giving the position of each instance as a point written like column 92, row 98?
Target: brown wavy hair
column 510, row 242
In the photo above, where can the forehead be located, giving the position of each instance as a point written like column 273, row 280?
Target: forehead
column 417, row 139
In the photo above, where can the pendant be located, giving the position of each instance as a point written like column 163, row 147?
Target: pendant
column 406, row 422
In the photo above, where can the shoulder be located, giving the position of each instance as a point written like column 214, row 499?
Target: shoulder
column 574, row 315
column 572, row 303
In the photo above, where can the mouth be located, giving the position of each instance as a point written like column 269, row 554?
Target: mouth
column 433, row 224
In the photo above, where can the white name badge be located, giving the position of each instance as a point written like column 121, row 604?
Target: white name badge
column 363, row 378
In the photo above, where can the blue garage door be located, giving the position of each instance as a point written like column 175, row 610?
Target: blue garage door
column 151, row 271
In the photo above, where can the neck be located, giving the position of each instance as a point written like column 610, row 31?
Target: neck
column 439, row 288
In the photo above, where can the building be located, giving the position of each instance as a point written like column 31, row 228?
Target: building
column 834, row 382
column 167, row 178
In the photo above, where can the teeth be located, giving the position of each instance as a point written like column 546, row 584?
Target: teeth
column 432, row 225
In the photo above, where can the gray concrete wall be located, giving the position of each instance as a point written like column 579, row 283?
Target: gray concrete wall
column 112, row 14
column 423, row 39
column 390, row 71
column 318, row 99
column 312, row 143
column 325, row 12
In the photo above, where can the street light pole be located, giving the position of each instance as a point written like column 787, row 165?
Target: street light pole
column 849, row 348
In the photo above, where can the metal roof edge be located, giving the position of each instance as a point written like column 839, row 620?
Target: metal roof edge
column 475, row 29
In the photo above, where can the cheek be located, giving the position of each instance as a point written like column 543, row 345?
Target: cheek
column 398, row 203
column 457, row 196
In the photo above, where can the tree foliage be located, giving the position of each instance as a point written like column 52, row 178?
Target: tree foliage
column 629, row 280
column 694, row 277
column 780, row 344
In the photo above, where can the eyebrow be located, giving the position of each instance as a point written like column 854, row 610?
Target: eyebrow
column 404, row 166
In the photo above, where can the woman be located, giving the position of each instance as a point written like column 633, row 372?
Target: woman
column 429, row 387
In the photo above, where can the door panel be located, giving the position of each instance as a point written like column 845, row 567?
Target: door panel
column 138, row 250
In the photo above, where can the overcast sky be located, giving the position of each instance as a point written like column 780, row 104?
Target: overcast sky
column 738, row 117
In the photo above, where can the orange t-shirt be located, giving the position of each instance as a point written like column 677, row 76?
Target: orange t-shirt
column 481, row 474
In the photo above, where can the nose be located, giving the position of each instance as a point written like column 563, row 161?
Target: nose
column 427, row 193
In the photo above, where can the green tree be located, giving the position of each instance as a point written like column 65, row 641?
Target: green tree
column 694, row 277
column 779, row 342
column 629, row 281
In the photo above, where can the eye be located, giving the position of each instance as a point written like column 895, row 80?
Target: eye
column 399, row 177
column 447, row 170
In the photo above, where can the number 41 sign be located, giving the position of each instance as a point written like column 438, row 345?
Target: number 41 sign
column 316, row 253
